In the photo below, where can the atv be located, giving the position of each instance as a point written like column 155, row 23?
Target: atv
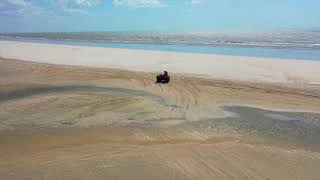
column 163, row 78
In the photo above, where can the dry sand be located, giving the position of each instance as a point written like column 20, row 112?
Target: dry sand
column 73, row 122
column 217, row 66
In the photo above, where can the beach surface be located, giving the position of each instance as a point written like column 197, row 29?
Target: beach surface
column 217, row 66
column 96, row 113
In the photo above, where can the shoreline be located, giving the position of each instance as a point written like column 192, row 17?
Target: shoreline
column 303, row 52
column 213, row 66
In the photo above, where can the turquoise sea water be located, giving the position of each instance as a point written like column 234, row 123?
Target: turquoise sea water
column 304, row 46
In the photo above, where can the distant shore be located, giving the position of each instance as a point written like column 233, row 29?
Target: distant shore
column 216, row 66
column 276, row 44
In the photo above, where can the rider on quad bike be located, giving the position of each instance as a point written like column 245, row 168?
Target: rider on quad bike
column 163, row 78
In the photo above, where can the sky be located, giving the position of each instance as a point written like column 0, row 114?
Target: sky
column 157, row 15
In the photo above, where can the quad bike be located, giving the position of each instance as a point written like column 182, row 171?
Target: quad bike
column 163, row 78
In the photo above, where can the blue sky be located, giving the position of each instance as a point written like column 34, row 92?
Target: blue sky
column 157, row 15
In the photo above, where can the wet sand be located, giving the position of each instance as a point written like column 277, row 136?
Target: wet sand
column 70, row 122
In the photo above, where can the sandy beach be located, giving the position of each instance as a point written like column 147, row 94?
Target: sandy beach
column 69, row 112
column 216, row 66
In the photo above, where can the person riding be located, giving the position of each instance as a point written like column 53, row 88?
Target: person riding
column 163, row 78
column 165, row 74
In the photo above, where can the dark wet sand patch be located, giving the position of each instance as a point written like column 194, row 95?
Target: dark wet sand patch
column 31, row 91
column 301, row 126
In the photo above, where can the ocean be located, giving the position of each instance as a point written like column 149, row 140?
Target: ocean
column 282, row 44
